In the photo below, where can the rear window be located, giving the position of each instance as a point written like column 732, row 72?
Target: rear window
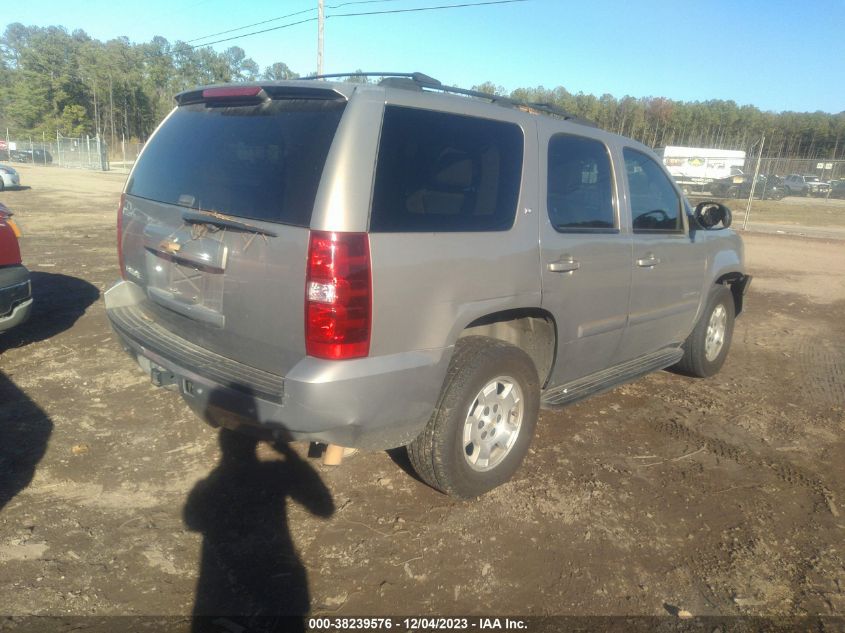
column 254, row 161
column 445, row 172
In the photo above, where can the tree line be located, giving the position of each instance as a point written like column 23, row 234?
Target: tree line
column 52, row 80
column 658, row 122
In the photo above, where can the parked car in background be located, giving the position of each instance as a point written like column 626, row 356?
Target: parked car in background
column 766, row 187
column 9, row 177
column 15, row 290
column 806, row 185
column 40, row 156
column 37, row 156
column 837, row 189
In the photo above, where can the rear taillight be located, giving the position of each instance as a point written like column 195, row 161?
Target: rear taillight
column 120, row 235
column 14, row 227
column 338, row 295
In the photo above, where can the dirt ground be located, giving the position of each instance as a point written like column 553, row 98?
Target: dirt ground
column 723, row 496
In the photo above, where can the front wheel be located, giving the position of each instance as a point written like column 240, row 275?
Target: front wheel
column 707, row 347
column 482, row 426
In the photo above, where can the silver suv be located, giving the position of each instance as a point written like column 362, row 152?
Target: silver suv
column 806, row 185
column 406, row 264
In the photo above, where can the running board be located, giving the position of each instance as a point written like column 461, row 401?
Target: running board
column 609, row 378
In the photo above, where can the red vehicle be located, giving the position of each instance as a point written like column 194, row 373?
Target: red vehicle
column 15, row 289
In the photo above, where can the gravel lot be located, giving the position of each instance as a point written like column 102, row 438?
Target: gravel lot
column 719, row 497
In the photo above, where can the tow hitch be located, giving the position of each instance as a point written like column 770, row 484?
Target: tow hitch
column 162, row 378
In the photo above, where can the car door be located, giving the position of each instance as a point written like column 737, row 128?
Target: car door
column 666, row 267
column 585, row 254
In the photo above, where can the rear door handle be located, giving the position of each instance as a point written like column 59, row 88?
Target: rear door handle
column 566, row 264
column 649, row 261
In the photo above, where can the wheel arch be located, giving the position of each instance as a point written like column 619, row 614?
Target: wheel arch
column 533, row 330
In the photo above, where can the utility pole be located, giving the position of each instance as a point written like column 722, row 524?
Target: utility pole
column 321, row 18
column 753, row 183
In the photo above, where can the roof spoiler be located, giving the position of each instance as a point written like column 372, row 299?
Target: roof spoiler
column 247, row 94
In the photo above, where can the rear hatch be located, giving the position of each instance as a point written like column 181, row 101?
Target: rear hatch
column 215, row 218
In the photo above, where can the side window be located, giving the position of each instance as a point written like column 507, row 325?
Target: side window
column 580, row 184
column 445, row 172
column 655, row 205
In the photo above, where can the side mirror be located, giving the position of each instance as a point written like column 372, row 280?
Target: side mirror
column 709, row 214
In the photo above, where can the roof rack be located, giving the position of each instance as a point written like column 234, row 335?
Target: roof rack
column 420, row 81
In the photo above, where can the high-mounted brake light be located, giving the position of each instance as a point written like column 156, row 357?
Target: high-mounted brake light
column 338, row 296
column 231, row 92
column 120, row 235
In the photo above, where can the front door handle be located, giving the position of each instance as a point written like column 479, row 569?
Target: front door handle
column 566, row 264
column 649, row 261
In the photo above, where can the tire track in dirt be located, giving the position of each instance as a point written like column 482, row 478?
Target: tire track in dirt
column 782, row 469
column 823, row 368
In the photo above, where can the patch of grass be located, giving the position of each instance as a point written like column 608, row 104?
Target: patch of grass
column 793, row 210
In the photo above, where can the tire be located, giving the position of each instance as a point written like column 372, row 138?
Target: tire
column 733, row 193
column 448, row 454
column 703, row 354
column 2, row 185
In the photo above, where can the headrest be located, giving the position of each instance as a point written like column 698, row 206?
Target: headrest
column 453, row 169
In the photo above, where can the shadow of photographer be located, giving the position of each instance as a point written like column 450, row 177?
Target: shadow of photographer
column 24, row 433
column 250, row 573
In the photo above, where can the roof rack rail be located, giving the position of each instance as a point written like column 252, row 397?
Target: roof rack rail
column 420, row 80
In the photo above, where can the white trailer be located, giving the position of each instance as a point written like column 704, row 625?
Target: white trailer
column 694, row 168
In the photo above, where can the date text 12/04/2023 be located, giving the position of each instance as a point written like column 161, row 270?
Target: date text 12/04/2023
column 416, row 623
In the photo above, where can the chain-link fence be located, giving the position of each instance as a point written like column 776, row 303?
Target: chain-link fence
column 85, row 152
column 123, row 155
column 92, row 152
column 824, row 168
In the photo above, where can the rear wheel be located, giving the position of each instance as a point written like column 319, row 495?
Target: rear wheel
column 484, row 421
column 707, row 347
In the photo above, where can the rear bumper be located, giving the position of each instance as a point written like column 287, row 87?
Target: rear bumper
column 15, row 296
column 19, row 314
column 374, row 403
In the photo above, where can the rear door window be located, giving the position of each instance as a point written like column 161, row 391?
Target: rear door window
column 580, row 185
column 445, row 172
column 253, row 161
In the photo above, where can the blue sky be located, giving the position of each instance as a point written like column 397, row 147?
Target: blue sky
column 775, row 55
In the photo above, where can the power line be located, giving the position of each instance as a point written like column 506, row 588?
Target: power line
column 241, row 28
column 235, row 37
column 445, row 6
column 349, row 15
column 282, row 17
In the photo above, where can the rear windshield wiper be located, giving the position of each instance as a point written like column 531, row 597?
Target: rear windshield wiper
column 223, row 221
